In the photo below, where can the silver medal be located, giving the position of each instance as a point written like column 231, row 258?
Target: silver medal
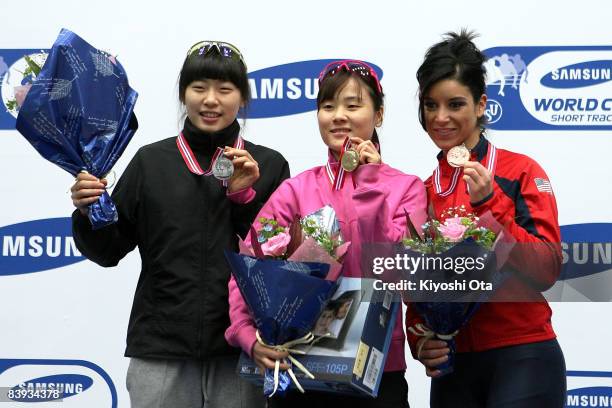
column 223, row 168
column 458, row 156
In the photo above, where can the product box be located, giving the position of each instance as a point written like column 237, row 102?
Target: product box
column 359, row 323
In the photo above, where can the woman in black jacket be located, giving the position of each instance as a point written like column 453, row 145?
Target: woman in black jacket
column 181, row 203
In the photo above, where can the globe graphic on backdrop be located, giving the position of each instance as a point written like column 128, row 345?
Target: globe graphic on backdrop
column 14, row 77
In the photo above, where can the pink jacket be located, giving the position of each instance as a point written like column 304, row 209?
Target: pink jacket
column 370, row 208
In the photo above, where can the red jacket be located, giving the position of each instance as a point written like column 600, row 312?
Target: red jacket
column 522, row 202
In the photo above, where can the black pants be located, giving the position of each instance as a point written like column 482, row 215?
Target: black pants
column 392, row 393
column 524, row 376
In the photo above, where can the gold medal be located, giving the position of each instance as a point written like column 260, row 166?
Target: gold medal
column 458, row 155
column 350, row 160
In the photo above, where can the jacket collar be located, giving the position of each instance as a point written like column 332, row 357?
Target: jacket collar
column 207, row 142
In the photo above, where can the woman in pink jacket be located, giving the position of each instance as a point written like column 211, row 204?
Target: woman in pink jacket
column 369, row 204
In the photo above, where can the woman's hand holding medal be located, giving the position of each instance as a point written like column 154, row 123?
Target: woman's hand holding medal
column 478, row 179
column 368, row 153
column 360, row 152
column 246, row 169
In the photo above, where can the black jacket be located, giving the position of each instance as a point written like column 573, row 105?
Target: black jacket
column 181, row 224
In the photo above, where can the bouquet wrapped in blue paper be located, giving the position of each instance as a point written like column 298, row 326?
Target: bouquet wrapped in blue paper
column 460, row 260
column 78, row 113
column 286, row 277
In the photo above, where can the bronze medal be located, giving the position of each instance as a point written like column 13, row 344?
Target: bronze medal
column 458, row 156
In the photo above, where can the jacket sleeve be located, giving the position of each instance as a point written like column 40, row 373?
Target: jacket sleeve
column 108, row 245
column 534, row 223
column 247, row 203
column 378, row 221
column 412, row 319
column 282, row 206
column 241, row 332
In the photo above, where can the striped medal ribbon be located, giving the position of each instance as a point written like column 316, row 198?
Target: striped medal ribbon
column 192, row 163
column 336, row 178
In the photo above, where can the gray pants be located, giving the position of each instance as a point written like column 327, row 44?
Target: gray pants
column 159, row 383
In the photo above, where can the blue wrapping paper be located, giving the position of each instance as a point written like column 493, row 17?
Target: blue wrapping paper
column 79, row 115
column 445, row 318
column 285, row 299
column 445, row 314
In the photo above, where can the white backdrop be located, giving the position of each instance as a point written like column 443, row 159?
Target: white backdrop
column 80, row 311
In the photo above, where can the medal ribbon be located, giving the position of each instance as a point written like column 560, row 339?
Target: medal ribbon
column 336, row 178
column 491, row 164
column 192, row 163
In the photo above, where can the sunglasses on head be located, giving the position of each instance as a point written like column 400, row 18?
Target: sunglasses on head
column 358, row 67
column 224, row 49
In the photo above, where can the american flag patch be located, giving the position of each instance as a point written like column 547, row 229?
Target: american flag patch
column 543, row 185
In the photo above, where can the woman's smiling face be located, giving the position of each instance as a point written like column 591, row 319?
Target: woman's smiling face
column 451, row 115
column 350, row 113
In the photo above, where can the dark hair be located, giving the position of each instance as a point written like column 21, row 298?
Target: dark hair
column 456, row 57
column 331, row 85
column 212, row 65
column 332, row 305
column 346, row 297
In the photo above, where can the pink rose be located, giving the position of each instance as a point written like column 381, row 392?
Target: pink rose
column 452, row 229
column 277, row 245
column 21, row 92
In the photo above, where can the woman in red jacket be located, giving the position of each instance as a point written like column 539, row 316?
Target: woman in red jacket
column 507, row 355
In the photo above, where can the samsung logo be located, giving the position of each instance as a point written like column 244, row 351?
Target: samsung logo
column 56, row 381
column 579, row 75
column 277, row 88
column 582, row 253
column 38, row 245
column 51, row 388
column 596, row 397
column 586, row 249
column 287, row 89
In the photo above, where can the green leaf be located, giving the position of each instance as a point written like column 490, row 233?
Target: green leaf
column 33, row 66
column 11, row 105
